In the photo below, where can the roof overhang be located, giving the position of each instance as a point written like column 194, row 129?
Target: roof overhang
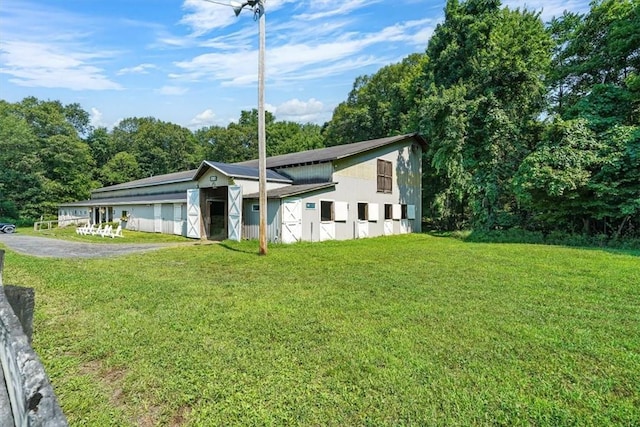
column 291, row 190
column 238, row 172
column 180, row 197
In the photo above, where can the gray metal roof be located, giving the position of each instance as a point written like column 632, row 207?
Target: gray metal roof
column 291, row 190
column 180, row 197
column 249, row 169
column 151, row 181
column 332, row 153
column 238, row 171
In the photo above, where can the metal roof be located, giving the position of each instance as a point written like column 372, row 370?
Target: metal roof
column 238, row 171
column 332, row 153
column 151, row 181
column 291, row 190
column 249, row 169
column 180, row 197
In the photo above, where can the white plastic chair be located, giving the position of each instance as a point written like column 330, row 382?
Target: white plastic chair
column 106, row 231
column 97, row 230
column 117, row 233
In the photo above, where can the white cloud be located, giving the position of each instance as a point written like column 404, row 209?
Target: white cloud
column 548, row 8
column 302, row 60
column 95, row 117
column 172, row 90
column 299, row 111
column 334, row 8
column 35, row 64
column 206, row 118
column 138, row 69
column 204, row 16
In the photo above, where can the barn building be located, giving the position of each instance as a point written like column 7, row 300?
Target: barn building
column 364, row 189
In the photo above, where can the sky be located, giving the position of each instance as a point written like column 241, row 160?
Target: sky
column 194, row 63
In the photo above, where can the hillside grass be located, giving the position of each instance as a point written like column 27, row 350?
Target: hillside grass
column 404, row 330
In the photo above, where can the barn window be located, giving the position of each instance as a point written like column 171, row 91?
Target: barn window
column 403, row 212
column 385, row 176
column 388, row 211
column 363, row 211
column 255, row 207
column 326, row 210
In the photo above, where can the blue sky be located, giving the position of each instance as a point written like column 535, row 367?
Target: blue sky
column 194, row 63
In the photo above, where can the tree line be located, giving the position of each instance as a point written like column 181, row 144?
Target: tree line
column 530, row 125
column 50, row 154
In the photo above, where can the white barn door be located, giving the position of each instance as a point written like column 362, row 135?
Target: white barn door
column 193, row 213
column 363, row 229
column 327, row 231
column 388, row 227
column 291, row 220
column 234, row 228
column 157, row 218
column 177, row 219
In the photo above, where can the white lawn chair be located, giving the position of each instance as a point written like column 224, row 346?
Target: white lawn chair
column 106, row 231
column 117, row 233
column 95, row 231
column 86, row 229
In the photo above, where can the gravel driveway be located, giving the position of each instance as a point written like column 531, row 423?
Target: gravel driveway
column 46, row 247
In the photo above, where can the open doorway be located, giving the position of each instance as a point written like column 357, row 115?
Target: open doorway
column 218, row 219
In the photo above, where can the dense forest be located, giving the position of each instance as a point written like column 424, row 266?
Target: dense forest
column 530, row 125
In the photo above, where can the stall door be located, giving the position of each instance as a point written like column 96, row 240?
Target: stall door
column 177, row 219
column 327, row 231
column 388, row 227
column 193, row 213
column 235, row 212
column 363, row 229
column 291, row 220
column 157, row 218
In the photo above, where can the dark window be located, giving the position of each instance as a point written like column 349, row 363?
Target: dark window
column 385, row 176
column 326, row 210
column 363, row 211
column 388, row 211
column 403, row 214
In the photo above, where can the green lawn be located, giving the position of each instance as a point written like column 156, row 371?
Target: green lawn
column 406, row 330
column 128, row 236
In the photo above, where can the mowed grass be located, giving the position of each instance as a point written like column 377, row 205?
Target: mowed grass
column 404, row 330
column 128, row 236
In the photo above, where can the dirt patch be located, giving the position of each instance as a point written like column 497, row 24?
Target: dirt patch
column 111, row 378
column 181, row 416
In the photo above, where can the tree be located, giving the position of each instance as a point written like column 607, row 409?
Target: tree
column 120, row 168
column 158, row 147
column 21, row 177
column 553, row 181
column 599, row 48
column 64, row 163
column 290, row 137
column 101, row 145
column 483, row 94
column 379, row 105
column 239, row 141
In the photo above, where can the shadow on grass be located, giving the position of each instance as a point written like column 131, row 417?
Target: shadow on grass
column 246, row 250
